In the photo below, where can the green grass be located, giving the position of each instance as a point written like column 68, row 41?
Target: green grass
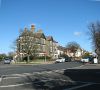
column 38, row 61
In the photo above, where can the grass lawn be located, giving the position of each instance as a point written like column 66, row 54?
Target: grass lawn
column 37, row 61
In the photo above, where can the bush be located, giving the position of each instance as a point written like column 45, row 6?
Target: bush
column 30, row 58
column 86, row 55
column 43, row 57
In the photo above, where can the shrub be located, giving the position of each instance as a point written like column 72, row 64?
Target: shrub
column 43, row 57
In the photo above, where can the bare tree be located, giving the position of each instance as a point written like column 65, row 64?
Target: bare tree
column 94, row 31
column 73, row 47
column 26, row 44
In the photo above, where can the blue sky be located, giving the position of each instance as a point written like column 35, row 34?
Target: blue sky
column 65, row 20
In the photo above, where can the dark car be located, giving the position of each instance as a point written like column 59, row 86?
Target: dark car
column 68, row 59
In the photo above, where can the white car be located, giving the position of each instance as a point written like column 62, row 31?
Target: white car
column 60, row 59
column 7, row 61
column 85, row 60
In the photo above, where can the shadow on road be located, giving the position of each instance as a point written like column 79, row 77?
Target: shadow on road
column 70, row 78
column 49, row 81
column 86, row 75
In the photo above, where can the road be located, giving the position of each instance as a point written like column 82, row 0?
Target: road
column 87, row 75
column 18, row 69
column 61, row 76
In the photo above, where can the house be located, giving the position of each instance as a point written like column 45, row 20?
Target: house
column 51, row 48
column 40, row 41
column 46, row 45
column 78, row 53
column 60, row 50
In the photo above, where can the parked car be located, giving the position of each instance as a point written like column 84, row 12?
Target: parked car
column 7, row 61
column 60, row 59
column 68, row 59
column 87, row 59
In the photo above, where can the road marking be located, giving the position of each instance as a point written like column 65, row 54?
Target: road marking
column 87, row 82
column 78, row 86
column 16, row 85
column 11, row 77
column 0, row 79
column 76, row 67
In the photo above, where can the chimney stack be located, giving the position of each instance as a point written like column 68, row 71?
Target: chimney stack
column 32, row 28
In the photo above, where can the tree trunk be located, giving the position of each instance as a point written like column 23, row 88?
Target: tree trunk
column 28, row 59
column 98, row 59
column 74, row 57
column 98, row 55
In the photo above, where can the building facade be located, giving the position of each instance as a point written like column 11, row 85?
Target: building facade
column 28, row 39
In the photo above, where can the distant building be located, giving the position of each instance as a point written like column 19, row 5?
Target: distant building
column 60, row 50
column 46, row 44
column 78, row 53
column 51, row 47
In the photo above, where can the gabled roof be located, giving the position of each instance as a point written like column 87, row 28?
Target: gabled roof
column 49, row 38
column 39, row 35
column 55, row 41
column 25, row 32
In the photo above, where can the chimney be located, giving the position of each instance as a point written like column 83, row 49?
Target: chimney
column 32, row 28
column 25, row 29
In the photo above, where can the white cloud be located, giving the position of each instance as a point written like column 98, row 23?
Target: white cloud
column 77, row 33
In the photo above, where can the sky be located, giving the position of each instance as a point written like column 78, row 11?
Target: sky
column 65, row 20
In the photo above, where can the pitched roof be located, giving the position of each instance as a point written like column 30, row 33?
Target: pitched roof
column 49, row 38
column 55, row 41
column 39, row 35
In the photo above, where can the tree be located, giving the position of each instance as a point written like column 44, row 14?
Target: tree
column 87, row 54
column 10, row 55
column 94, row 31
column 72, row 47
column 26, row 44
column 3, row 56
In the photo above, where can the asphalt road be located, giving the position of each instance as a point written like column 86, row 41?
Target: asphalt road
column 18, row 69
column 61, row 76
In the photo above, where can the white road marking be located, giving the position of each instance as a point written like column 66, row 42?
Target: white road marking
column 16, row 85
column 11, row 77
column 76, row 87
column 87, row 82
column 76, row 67
column 0, row 79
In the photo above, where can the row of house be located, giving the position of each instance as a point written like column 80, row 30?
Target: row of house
column 46, row 44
